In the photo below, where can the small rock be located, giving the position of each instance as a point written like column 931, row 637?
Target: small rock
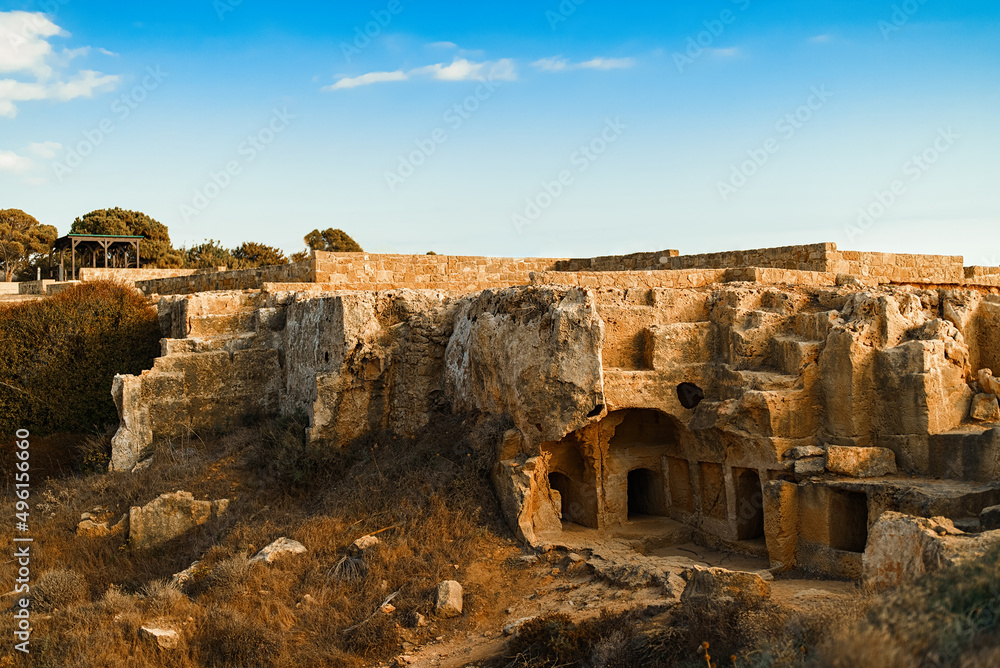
column 164, row 638
column 985, row 408
column 307, row 602
column 987, row 381
column 363, row 544
column 419, row 620
column 279, row 548
column 575, row 558
column 449, row 600
column 143, row 465
column 90, row 529
column 388, row 608
column 528, row 559
column 185, row 576
column 804, row 451
column 511, row 629
column 989, row 518
column 810, row 466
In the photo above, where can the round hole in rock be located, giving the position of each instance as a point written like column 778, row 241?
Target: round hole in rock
column 690, row 395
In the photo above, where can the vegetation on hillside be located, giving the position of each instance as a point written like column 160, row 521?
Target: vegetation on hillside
column 428, row 499
column 58, row 356
column 332, row 241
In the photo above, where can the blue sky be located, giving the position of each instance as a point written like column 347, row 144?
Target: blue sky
column 515, row 128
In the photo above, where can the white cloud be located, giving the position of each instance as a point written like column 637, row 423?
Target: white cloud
column 368, row 79
column 45, row 150
column 460, row 69
column 25, row 49
column 12, row 162
column 556, row 64
column 443, row 45
column 108, row 53
column 608, row 64
column 560, row 64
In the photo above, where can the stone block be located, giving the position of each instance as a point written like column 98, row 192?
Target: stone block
column 860, row 462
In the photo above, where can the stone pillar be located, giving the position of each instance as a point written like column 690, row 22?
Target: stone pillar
column 781, row 521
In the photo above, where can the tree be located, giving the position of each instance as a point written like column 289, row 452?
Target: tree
column 332, row 241
column 155, row 250
column 22, row 240
column 208, row 254
column 250, row 254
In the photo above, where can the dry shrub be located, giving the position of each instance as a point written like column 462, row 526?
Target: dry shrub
column 937, row 620
column 228, row 639
column 58, row 356
column 60, row 588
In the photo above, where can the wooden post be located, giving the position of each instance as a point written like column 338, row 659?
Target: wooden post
column 72, row 253
column 137, row 254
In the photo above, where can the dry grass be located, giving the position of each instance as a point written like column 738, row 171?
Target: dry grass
column 431, row 492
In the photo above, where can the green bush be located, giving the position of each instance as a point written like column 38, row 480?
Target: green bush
column 58, row 356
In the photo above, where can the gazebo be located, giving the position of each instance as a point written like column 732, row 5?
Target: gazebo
column 94, row 243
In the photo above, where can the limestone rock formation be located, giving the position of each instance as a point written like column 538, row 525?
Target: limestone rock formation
column 169, row 516
column 834, row 385
column 531, row 353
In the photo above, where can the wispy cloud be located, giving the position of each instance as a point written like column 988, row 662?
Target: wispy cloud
column 368, row 79
column 820, row 39
column 25, row 49
column 560, row 64
column 459, row 69
column 442, row 45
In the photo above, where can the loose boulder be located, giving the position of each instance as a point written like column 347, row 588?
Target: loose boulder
column 449, row 600
column 901, row 548
column 860, row 462
column 282, row 547
column 989, row 518
column 169, row 516
column 163, row 637
column 985, row 408
column 721, row 584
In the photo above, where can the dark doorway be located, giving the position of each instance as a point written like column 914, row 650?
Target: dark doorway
column 848, row 520
column 645, row 493
column 749, row 505
column 562, row 484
